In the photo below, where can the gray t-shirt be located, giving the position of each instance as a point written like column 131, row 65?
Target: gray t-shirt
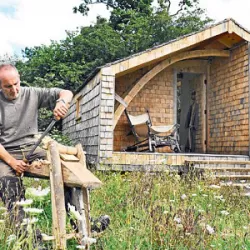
column 18, row 118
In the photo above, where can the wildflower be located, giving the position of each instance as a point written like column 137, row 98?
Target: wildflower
column 218, row 197
column 205, row 195
column 165, row 212
column 37, row 193
column 209, row 229
column 36, row 179
column 201, row 211
column 87, row 240
column 75, row 214
column 242, row 181
column 214, row 186
column 33, row 210
column 194, row 195
column 80, row 247
column 172, row 200
column 183, row 197
column 24, row 202
column 11, row 238
column 224, row 212
column 28, row 221
column 177, row 220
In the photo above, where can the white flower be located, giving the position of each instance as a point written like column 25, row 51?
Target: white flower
column 11, row 238
column 177, row 220
column 218, row 197
column 224, row 212
column 24, row 202
column 36, row 179
column 214, row 186
column 37, row 193
column 165, row 212
column 75, row 214
column 172, row 200
column 183, row 197
column 201, row 211
column 194, row 195
column 28, row 221
column 210, row 229
column 205, row 195
column 86, row 240
column 242, row 181
column 33, row 210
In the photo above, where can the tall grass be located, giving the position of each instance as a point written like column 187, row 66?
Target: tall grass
column 158, row 211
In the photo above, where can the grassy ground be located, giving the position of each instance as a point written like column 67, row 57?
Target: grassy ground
column 159, row 211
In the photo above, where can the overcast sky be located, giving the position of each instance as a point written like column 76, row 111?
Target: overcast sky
column 28, row 23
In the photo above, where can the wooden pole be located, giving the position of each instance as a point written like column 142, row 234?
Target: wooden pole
column 84, row 196
column 57, row 197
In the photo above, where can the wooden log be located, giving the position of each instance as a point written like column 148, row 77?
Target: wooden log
column 67, row 150
column 81, row 155
column 75, row 174
column 84, row 199
column 57, row 197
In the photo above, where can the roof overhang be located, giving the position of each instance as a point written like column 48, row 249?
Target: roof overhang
column 226, row 34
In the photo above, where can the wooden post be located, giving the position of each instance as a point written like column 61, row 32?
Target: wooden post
column 84, row 199
column 57, row 197
column 208, row 107
column 204, row 113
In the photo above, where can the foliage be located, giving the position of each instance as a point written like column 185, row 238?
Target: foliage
column 158, row 211
column 133, row 26
column 164, row 211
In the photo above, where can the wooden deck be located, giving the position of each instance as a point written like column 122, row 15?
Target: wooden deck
column 144, row 161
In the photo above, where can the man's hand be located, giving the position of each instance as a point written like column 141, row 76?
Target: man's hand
column 60, row 110
column 18, row 165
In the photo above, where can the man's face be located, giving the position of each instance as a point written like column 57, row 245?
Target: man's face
column 10, row 84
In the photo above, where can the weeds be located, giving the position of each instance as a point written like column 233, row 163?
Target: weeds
column 157, row 211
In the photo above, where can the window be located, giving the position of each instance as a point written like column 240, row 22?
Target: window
column 78, row 108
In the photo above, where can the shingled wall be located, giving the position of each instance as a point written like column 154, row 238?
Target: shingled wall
column 85, row 129
column 229, row 95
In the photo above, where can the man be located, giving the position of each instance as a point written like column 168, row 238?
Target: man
column 192, row 123
column 18, row 125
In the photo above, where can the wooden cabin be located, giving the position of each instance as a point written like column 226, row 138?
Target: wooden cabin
column 214, row 62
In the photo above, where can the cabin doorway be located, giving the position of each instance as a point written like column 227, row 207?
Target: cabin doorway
column 193, row 141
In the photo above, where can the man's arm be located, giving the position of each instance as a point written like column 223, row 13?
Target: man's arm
column 18, row 165
column 62, row 104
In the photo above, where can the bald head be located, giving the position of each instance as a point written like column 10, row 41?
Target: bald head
column 9, row 81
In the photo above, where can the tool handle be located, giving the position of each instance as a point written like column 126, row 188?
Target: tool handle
column 51, row 125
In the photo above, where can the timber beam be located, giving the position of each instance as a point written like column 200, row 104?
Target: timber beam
column 161, row 66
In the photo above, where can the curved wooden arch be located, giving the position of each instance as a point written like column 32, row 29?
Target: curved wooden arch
column 161, row 66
